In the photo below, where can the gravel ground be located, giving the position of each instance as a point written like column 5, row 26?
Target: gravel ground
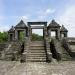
column 37, row 68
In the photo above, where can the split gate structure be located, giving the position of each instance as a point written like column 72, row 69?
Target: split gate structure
column 60, row 32
column 47, row 29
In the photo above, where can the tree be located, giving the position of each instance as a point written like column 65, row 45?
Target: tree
column 36, row 37
column 3, row 36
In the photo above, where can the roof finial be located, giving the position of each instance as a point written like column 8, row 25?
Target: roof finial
column 12, row 26
column 62, row 25
column 63, row 28
column 53, row 20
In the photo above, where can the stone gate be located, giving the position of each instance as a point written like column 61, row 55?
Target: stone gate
column 60, row 31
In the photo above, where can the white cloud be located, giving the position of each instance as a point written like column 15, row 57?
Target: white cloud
column 19, row 18
column 3, row 28
column 46, row 12
column 6, row 27
column 49, row 11
column 43, row 14
column 25, row 17
column 68, row 19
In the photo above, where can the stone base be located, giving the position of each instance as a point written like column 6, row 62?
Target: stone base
column 49, row 57
column 23, row 58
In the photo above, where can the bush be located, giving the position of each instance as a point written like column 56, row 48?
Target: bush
column 3, row 36
column 36, row 37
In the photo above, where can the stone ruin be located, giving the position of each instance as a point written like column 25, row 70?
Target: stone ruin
column 59, row 47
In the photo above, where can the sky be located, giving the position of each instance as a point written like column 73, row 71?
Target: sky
column 63, row 11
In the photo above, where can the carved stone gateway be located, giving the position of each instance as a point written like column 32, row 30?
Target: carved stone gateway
column 37, row 25
column 53, row 26
column 43, row 50
column 21, row 26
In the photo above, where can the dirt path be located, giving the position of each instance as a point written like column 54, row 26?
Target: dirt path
column 34, row 68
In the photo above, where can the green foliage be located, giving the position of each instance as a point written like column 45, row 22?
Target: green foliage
column 36, row 37
column 21, row 36
column 3, row 36
column 33, row 38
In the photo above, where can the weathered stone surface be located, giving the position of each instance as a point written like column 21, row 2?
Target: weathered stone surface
column 40, row 68
column 10, row 51
column 37, row 51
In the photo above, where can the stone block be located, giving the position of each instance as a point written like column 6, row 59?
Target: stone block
column 49, row 56
column 23, row 58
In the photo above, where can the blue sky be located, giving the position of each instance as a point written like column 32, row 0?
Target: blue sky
column 12, row 11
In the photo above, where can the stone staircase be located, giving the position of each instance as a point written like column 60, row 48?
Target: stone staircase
column 69, row 44
column 3, row 46
column 64, row 55
column 36, row 52
column 12, row 52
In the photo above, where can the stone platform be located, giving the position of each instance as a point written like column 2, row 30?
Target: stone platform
column 37, row 68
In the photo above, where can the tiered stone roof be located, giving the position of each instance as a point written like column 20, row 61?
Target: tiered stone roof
column 54, row 24
column 11, row 29
column 63, row 29
column 21, row 24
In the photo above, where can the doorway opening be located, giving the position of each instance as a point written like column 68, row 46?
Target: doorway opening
column 21, row 35
column 11, row 37
column 53, row 34
column 37, row 35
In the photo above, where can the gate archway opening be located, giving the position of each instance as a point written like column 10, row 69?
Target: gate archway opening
column 37, row 30
column 37, row 34
column 53, row 34
column 21, row 35
column 11, row 37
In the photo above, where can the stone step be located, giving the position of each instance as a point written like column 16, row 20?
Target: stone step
column 36, row 60
column 41, row 42
column 42, row 57
column 37, row 48
column 37, row 43
column 34, row 49
column 36, row 56
column 37, row 52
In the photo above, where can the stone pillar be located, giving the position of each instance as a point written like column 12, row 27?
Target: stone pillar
column 29, row 32
column 49, row 33
column 16, row 35
column 58, row 34
column 25, row 33
column 13, row 36
column 8, row 37
column 45, row 31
